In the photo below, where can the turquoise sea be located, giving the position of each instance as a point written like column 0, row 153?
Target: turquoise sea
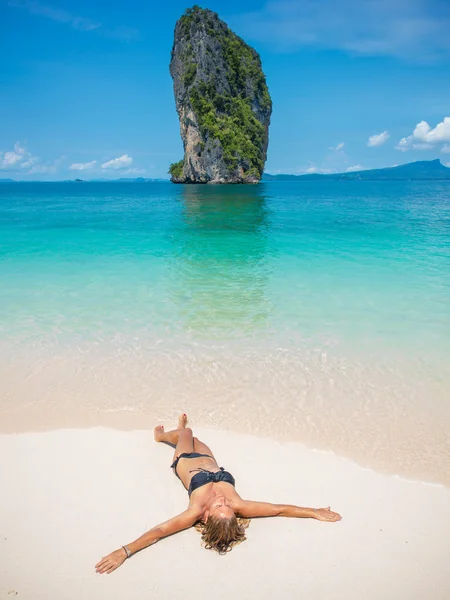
column 308, row 311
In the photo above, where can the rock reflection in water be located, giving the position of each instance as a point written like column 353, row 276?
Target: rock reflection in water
column 220, row 269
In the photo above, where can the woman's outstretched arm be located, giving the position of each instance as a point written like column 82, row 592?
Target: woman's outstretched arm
column 182, row 521
column 249, row 509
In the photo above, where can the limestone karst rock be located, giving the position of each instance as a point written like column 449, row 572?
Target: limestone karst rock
column 222, row 102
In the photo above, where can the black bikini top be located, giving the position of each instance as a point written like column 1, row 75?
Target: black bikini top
column 204, row 477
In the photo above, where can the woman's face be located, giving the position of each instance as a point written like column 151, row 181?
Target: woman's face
column 220, row 508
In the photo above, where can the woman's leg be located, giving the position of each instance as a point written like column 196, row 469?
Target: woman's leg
column 181, row 438
column 202, row 448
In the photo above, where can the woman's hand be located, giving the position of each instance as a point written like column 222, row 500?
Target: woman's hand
column 109, row 563
column 325, row 514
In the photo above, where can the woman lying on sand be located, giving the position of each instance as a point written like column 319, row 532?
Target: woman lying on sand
column 214, row 507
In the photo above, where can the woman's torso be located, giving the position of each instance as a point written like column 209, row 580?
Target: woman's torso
column 187, row 468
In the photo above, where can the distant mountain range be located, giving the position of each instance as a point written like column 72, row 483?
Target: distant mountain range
column 122, row 180
column 421, row 170
column 128, row 180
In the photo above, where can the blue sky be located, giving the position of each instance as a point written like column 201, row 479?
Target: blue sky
column 86, row 90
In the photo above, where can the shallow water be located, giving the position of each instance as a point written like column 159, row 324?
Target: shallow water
column 315, row 311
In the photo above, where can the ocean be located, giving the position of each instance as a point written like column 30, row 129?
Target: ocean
column 316, row 312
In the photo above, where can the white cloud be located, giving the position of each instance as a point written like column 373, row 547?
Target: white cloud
column 47, row 168
column 378, row 139
column 446, row 149
column 32, row 160
column 77, row 22
column 404, row 144
column 441, row 133
column 118, row 163
column 425, row 138
column 314, row 169
column 22, row 162
column 423, row 146
column 354, row 168
column 133, row 171
column 83, row 166
column 19, row 158
column 50, row 167
column 11, row 158
column 405, row 28
column 334, row 161
column 55, row 14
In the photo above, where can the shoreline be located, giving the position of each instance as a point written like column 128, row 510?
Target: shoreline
column 96, row 489
column 375, row 417
column 35, row 419
column 111, row 424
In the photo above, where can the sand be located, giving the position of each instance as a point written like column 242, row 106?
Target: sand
column 71, row 496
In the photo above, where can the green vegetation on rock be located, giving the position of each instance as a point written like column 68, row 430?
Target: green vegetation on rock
column 189, row 75
column 230, row 120
column 244, row 65
column 176, row 169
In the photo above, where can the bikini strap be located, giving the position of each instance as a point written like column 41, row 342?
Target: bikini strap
column 210, row 476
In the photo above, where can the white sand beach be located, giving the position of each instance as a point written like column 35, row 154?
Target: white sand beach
column 71, row 496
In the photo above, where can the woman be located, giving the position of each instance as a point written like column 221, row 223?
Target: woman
column 214, row 505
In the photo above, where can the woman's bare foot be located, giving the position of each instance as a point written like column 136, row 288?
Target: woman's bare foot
column 158, row 432
column 170, row 436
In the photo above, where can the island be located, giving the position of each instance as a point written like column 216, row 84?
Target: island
column 222, row 100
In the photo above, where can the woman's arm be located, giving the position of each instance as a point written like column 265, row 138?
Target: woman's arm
column 251, row 509
column 182, row 521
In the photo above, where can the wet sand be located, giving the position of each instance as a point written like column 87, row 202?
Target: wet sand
column 392, row 416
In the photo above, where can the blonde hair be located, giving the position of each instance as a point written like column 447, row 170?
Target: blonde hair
column 222, row 535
